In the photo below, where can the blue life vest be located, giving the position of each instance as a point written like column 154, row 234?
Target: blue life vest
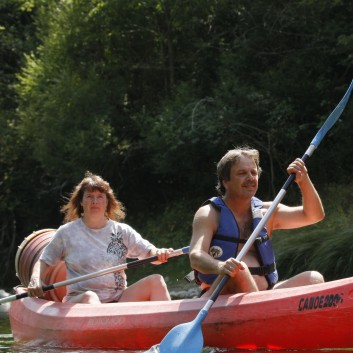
column 225, row 242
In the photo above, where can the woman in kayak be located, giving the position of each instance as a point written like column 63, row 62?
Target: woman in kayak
column 93, row 238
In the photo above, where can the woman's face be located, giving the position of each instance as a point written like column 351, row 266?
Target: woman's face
column 94, row 203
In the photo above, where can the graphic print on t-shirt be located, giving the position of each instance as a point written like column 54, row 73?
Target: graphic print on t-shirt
column 118, row 248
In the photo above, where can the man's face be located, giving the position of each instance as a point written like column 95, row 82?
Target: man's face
column 244, row 178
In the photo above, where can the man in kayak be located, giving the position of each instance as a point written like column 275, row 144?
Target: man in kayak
column 222, row 225
column 94, row 239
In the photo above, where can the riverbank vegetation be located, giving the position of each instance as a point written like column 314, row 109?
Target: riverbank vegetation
column 150, row 94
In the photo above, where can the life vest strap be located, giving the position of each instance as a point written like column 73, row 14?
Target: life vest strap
column 258, row 240
column 263, row 270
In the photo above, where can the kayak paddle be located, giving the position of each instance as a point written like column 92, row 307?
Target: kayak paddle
column 117, row 268
column 188, row 337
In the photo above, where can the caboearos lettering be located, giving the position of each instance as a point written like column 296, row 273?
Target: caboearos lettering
column 320, row 302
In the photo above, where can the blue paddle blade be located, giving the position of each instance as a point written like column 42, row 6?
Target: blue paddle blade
column 153, row 349
column 333, row 117
column 183, row 338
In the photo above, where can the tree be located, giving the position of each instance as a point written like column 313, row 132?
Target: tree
column 150, row 94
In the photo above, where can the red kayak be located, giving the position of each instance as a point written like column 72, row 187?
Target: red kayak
column 310, row 317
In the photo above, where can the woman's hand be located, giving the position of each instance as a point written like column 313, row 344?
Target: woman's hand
column 35, row 287
column 163, row 255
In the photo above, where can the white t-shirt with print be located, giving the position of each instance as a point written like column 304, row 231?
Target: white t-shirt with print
column 86, row 250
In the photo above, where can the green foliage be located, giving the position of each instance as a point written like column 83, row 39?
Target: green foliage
column 150, row 94
column 16, row 37
column 75, row 132
column 326, row 247
column 171, row 228
column 65, row 99
column 326, row 251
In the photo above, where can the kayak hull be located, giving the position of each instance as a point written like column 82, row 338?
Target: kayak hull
column 310, row 317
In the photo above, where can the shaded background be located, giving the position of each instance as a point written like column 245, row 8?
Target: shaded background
column 150, row 94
